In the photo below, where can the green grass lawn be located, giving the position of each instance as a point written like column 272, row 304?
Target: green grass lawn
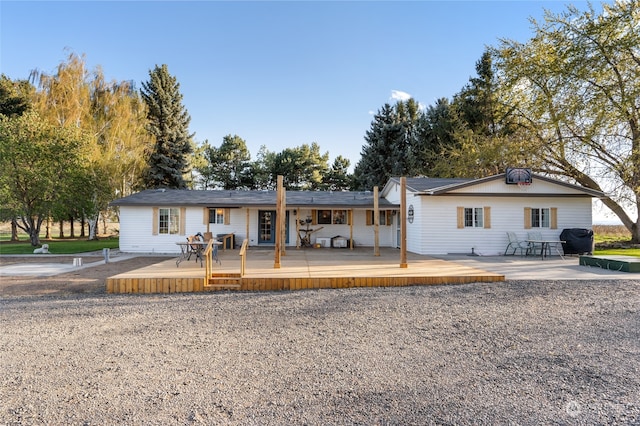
column 618, row 252
column 70, row 246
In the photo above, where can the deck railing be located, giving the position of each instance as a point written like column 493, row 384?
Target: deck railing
column 208, row 260
column 243, row 256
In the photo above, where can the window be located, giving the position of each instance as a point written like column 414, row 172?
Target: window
column 324, row 217
column 216, row 216
column 540, row 218
column 385, row 217
column 473, row 217
column 339, row 217
column 168, row 221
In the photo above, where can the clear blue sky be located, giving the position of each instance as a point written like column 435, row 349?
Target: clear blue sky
column 278, row 74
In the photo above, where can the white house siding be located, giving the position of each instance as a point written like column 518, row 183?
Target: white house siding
column 236, row 225
column 136, row 233
column 415, row 229
column 362, row 235
column 538, row 186
column 136, row 229
column 441, row 235
column 393, row 194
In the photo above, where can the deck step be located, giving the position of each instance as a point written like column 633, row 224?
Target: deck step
column 224, row 281
column 229, row 275
column 229, row 286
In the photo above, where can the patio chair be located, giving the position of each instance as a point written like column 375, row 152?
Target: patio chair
column 534, row 248
column 214, row 254
column 208, row 236
column 515, row 245
column 193, row 248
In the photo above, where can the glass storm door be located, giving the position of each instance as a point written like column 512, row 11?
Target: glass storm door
column 267, row 227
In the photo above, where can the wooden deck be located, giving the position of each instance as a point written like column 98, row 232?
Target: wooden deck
column 299, row 269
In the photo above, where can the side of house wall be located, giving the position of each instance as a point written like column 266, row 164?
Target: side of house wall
column 416, row 227
column 442, row 235
column 137, row 234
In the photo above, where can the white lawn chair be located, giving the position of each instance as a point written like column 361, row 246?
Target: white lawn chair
column 515, row 245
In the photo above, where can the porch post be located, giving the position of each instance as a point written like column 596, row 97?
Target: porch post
column 282, row 218
column 350, row 218
column 276, row 263
column 296, row 216
column 247, row 224
column 403, row 222
column 376, row 223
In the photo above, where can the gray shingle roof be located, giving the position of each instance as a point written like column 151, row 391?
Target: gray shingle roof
column 222, row 198
column 436, row 186
column 429, row 184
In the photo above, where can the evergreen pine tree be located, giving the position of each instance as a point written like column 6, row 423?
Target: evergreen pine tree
column 337, row 177
column 168, row 122
column 393, row 143
column 373, row 169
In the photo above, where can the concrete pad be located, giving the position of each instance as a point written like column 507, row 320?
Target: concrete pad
column 534, row 268
column 50, row 269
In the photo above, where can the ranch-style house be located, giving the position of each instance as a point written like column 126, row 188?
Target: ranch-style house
column 443, row 216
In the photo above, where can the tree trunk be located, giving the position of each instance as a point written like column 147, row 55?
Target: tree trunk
column 48, row 229
column 34, row 230
column 72, row 233
column 14, row 229
column 82, row 224
column 93, row 228
column 61, row 235
column 635, row 233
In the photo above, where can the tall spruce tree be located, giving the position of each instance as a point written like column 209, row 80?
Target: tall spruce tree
column 391, row 146
column 373, row 167
column 168, row 122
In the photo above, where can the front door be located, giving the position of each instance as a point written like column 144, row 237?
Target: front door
column 267, row 227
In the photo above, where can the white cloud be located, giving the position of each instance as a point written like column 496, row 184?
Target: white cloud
column 399, row 95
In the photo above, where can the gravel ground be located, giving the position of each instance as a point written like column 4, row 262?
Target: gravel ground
column 553, row 352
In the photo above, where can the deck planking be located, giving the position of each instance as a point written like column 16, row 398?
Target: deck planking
column 300, row 269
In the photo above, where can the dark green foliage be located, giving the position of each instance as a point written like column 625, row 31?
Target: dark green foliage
column 439, row 127
column 373, row 169
column 302, row 168
column 38, row 162
column 230, row 164
column 337, row 178
column 477, row 102
column 168, row 122
column 14, row 96
column 392, row 145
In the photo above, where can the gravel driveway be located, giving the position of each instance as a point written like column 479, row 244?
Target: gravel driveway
column 518, row 352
